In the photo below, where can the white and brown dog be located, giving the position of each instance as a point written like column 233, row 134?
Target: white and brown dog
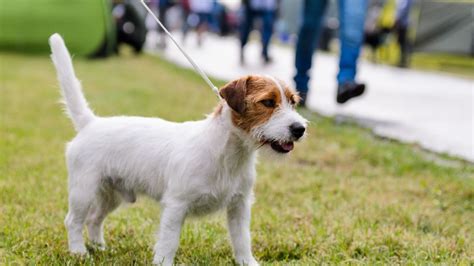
column 191, row 168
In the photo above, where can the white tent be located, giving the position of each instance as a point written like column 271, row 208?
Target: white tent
column 445, row 26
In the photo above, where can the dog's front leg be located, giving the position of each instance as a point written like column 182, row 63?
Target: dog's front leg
column 172, row 218
column 238, row 218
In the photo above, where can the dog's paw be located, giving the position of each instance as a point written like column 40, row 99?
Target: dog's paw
column 247, row 261
column 162, row 261
column 79, row 250
column 98, row 246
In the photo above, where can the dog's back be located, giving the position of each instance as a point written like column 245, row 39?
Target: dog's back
column 135, row 151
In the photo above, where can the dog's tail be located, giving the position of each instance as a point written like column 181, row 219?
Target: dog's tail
column 76, row 105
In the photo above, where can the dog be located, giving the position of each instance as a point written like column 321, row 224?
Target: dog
column 192, row 168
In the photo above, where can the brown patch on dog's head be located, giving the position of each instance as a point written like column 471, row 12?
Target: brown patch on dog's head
column 254, row 99
column 291, row 95
column 234, row 93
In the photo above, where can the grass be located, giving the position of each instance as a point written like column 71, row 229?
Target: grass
column 343, row 196
column 459, row 65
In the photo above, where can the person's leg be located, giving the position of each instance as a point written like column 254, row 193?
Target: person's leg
column 202, row 26
column 268, row 17
column 163, row 8
column 313, row 11
column 245, row 28
column 185, row 26
column 162, row 16
column 404, row 46
column 351, row 34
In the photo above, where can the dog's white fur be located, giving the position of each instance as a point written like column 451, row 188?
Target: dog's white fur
column 191, row 168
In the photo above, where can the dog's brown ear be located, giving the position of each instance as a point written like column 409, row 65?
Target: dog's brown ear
column 234, row 94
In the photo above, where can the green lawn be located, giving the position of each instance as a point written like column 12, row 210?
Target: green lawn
column 459, row 65
column 343, row 196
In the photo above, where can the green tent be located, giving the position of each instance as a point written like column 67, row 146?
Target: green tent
column 86, row 25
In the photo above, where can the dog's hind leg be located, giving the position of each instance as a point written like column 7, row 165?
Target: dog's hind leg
column 81, row 197
column 105, row 202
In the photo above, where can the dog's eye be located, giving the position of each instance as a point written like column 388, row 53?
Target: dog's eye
column 268, row 103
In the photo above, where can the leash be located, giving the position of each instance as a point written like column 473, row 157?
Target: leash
column 195, row 66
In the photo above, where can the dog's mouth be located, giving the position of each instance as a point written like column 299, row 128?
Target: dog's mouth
column 280, row 146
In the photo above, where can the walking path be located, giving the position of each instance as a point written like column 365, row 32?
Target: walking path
column 432, row 109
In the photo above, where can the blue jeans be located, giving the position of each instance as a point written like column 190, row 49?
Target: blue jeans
column 351, row 35
column 250, row 15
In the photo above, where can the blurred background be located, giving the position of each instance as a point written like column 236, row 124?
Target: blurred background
column 424, row 39
column 95, row 28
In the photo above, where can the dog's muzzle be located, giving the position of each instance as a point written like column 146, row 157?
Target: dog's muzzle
column 297, row 130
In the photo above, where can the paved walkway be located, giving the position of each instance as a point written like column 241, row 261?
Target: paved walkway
column 432, row 109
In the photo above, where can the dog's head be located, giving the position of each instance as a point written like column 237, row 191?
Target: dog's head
column 264, row 108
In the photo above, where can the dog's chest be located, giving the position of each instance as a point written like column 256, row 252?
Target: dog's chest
column 218, row 195
column 224, row 180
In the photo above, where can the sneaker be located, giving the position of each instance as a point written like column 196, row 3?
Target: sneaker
column 267, row 59
column 349, row 90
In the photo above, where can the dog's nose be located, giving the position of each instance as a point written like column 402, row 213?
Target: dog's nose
column 297, row 130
